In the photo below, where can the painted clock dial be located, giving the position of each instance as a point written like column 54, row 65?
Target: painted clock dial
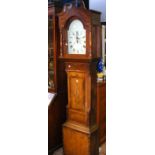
column 76, row 38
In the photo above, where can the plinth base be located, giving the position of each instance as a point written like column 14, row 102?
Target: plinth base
column 80, row 140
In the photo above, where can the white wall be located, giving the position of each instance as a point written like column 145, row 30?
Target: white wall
column 99, row 5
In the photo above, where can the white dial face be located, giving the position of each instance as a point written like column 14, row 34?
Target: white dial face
column 76, row 38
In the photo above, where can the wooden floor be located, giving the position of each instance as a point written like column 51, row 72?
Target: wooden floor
column 102, row 150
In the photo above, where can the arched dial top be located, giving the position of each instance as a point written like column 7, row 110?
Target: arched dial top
column 76, row 38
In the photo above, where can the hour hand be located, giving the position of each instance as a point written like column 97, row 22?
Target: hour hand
column 77, row 40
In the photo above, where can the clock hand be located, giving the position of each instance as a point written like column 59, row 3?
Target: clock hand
column 77, row 38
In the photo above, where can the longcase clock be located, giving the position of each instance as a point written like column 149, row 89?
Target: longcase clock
column 80, row 47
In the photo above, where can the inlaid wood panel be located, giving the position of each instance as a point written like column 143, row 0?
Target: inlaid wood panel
column 76, row 87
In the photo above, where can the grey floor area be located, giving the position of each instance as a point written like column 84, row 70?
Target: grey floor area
column 102, row 150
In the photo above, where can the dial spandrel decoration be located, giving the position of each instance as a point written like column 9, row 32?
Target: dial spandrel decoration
column 76, row 38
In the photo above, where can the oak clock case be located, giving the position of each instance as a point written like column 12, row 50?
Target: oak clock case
column 80, row 30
